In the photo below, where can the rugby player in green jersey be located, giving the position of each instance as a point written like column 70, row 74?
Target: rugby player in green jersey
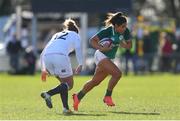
column 115, row 29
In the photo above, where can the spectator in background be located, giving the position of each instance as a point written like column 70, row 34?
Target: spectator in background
column 29, row 59
column 166, row 52
column 147, row 50
column 177, row 55
column 13, row 49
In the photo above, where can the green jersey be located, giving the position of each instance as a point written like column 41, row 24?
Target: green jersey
column 116, row 38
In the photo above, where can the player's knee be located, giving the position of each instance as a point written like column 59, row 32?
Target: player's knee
column 66, row 86
column 117, row 74
column 70, row 86
column 63, row 88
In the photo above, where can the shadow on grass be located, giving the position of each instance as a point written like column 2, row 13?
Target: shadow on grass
column 135, row 113
column 83, row 114
column 87, row 114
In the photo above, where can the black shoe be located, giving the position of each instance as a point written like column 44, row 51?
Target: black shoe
column 47, row 99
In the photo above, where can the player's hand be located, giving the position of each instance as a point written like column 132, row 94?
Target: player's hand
column 78, row 69
column 126, row 45
column 43, row 75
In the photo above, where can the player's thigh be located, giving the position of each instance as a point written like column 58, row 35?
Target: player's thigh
column 109, row 67
column 99, row 75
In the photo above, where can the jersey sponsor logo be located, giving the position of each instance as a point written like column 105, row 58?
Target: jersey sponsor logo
column 63, row 70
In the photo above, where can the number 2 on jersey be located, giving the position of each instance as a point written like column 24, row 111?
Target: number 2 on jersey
column 63, row 36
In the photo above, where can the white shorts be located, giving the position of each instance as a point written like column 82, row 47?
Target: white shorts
column 98, row 56
column 58, row 65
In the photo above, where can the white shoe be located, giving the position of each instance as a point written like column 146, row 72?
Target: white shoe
column 47, row 99
column 67, row 111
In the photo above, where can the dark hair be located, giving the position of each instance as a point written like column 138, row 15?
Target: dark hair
column 115, row 18
column 70, row 25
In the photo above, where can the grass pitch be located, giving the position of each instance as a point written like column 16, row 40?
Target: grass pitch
column 148, row 97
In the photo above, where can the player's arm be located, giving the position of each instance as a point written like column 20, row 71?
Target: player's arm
column 79, row 55
column 44, row 73
column 94, row 41
column 126, row 44
column 79, row 59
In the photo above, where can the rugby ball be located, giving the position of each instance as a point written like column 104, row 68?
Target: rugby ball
column 106, row 42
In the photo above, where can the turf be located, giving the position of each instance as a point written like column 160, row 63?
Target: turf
column 146, row 97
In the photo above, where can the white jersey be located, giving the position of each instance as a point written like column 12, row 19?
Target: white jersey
column 63, row 43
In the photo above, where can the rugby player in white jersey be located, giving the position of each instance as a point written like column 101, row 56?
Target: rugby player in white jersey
column 55, row 61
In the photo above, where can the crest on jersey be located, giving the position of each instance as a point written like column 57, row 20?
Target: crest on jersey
column 121, row 37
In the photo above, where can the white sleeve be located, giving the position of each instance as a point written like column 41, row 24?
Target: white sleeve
column 78, row 50
column 43, row 66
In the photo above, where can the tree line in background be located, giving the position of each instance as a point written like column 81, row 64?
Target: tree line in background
column 159, row 8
